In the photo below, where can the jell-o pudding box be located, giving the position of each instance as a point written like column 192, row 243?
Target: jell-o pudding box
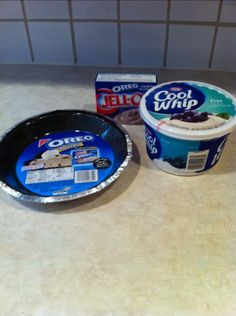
column 119, row 95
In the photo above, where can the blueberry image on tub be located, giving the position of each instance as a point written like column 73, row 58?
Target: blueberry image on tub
column 191, row 116
column 192, row 119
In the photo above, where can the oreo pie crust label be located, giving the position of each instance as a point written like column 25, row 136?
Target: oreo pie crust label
column 64, row 163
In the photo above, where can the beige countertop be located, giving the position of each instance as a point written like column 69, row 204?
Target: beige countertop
column 152, row 244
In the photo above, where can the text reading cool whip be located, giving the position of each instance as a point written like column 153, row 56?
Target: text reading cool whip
column 165, row 100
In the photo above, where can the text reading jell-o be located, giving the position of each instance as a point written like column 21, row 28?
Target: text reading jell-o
column 119, row 95
column 187, row 124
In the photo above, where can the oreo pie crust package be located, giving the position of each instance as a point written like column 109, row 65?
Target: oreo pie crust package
column 62, row 155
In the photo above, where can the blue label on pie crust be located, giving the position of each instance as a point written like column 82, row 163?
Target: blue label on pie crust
column 65, row 163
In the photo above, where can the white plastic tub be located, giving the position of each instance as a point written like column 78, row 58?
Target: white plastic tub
column 187, row 124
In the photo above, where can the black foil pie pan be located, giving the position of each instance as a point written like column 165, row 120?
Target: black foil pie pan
column 62, row 155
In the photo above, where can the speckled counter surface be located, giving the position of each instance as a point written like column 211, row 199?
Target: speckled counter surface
column 152, row 244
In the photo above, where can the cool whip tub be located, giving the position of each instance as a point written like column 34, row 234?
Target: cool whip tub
column 187, row 124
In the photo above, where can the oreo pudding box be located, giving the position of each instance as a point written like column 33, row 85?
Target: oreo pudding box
column 119, row 95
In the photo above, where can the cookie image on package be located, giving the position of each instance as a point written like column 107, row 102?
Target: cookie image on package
column 52, row 159
column 86, row 155
column 131, row 117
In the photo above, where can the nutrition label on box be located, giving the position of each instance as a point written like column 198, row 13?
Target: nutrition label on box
column 49, row 175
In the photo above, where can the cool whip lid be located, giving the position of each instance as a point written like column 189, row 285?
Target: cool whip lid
column 189, row 110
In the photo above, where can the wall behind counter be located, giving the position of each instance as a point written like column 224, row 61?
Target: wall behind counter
column 193, row 34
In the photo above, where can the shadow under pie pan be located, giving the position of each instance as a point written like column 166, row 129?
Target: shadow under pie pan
column 62, row 155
